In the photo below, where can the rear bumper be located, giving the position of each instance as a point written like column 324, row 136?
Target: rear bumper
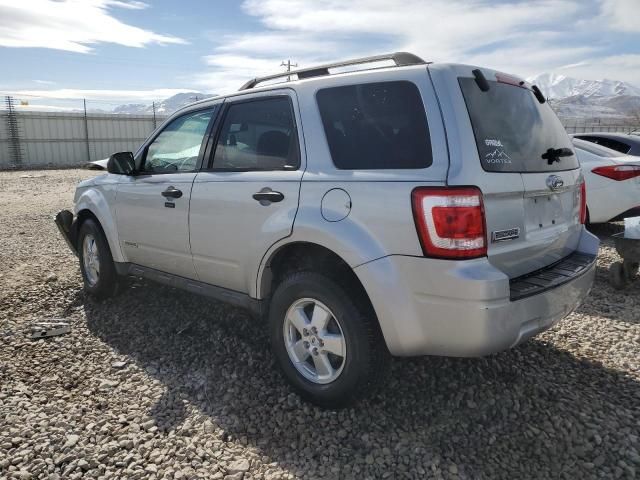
column 466, row 308
column 68, row 228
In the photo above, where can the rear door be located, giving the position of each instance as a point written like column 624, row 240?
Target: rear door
column 515, row 149
column 247, row 198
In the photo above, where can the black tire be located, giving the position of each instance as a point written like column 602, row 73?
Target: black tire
column 107, row 282
column 630, row 270
column 367, row 357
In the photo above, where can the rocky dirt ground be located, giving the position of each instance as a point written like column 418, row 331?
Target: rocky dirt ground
column 158, row 383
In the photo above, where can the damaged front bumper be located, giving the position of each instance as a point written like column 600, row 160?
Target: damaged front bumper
column 68, row 227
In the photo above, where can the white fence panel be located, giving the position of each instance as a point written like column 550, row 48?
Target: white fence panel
column 68, row 139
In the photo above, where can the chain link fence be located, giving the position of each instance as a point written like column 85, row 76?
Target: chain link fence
column 574, row 125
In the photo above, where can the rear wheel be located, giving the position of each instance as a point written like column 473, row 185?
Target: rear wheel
column 96, row 263
column 327, row 343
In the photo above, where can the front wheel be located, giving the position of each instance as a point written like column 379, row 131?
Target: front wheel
column 327, row 342
column 96, row 263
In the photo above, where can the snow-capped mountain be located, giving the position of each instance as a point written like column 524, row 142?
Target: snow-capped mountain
column 559, row 86
column 165, row 107
column 584, row 99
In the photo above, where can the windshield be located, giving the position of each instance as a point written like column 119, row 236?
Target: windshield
column 513, row 130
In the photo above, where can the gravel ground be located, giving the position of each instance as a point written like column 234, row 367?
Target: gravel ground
column 159, row 383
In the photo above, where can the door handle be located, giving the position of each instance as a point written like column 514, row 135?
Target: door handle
column 172, row 192
column 267, row 196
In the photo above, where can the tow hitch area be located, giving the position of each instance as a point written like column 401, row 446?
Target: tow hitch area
column 68, row 228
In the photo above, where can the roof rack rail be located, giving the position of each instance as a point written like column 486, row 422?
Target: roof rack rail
column 401, row 59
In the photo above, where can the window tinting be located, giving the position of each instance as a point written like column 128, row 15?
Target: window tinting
column 376, row 126
column 258, row 135
column 607, row 142
column 596, row 149
column 512, row 129
column 177, row 147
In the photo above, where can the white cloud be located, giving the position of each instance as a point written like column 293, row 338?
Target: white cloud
column 526, row 60
column 524, row 38
column 73, row 25
column 227, row 72
column 622, row 15
column 44, row 82
column 618, row 67
column 131, row 4
column 116, row 96
column 438, row 30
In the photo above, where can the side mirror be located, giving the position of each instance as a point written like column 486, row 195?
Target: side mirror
column 121, row 163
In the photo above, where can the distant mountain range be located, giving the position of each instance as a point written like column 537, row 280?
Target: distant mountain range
column 575, row 98
column 559, row 86
column 165, row 107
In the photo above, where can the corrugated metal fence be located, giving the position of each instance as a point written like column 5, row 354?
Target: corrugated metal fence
column 39, row 139
column 70, row 139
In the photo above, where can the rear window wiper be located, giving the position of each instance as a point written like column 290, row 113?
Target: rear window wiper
column 554, row 154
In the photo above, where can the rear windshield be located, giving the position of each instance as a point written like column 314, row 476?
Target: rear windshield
column 512, row 129
column 596, row 149
column 375, row 126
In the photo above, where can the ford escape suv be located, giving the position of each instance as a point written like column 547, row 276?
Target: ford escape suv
column 370, row 208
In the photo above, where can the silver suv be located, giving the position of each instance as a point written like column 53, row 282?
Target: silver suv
column 376, row 207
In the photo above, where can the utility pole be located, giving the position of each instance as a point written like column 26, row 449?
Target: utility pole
column 153, row 106
column 288, row 64
column 86, row 129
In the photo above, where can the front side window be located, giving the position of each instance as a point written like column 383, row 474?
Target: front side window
column 258, row 135
column 177, row 147
column 375, row 126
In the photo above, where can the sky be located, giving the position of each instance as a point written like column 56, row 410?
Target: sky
column 129, row 51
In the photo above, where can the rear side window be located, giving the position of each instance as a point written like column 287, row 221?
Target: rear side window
column 608, row 142
column 259, row 134
column 513, row 130
column 376, row 126
column 596, row 149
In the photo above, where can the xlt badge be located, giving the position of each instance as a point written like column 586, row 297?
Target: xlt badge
column 502, row 235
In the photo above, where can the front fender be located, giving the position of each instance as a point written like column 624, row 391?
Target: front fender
column 100, row 201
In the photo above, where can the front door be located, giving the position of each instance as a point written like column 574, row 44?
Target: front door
column 248, row 197
column 152, row 207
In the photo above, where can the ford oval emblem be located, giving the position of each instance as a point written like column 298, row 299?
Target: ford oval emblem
column 554, row 182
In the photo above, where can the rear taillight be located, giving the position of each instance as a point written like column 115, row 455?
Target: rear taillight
column 450, row 221
column 583, row 203
column 618, row 172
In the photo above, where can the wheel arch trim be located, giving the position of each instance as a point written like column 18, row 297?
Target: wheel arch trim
column 93, row 202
